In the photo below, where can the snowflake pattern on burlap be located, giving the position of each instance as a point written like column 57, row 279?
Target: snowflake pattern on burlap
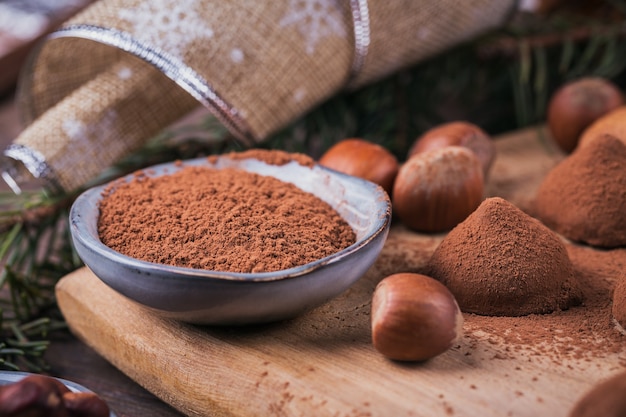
column 315, row 20
column 87, row 139
column 170, row 25
column 81, row 132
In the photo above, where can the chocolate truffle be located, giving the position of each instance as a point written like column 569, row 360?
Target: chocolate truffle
column 502, row 262
column 584, row 197
column 606, row 399
column 611, row 123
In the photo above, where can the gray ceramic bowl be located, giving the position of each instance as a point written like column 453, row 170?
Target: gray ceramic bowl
column 214, row 297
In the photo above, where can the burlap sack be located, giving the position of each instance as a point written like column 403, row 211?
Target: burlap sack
column 120, row 71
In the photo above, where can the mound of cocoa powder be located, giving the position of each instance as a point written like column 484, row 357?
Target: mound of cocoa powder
column 584, row 197
column 502, row 262
column 222, row 220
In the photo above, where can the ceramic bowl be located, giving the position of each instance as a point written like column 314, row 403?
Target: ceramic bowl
column 226, row 298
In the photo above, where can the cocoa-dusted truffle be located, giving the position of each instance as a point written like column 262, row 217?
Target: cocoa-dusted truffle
column 606, row 399
column 584, row 197
column 502, row 262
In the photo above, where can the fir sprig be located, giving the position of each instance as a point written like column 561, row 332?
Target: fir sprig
column 35, row 252
column 36, row 249
column 25, row 346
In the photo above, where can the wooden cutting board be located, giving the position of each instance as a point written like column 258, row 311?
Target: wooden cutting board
column 323, row 363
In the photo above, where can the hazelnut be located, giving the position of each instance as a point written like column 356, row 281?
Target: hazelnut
column 34, row 395
column 85, row 404
column 437, row 189
column 363, row 159
column 40, row 395
column 605, row 399
column 414, row 317
column 576, row 105
column 458, row 133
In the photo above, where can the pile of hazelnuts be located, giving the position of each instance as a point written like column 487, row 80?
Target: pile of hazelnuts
column 441, row 182
column 44, row 396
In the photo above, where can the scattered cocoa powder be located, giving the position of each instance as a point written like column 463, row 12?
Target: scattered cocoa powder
column 584, row 197
column 578, row 335
column 502, row 262
column 270, row 157
column 222, row 220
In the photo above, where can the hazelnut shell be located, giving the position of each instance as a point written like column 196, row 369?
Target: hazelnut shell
column 414, row 317
column 437, row 189
column 458, row 133
column 605, row 399
column 33, row 395
column 578, row 104
column 86, row 404
column 363, row 159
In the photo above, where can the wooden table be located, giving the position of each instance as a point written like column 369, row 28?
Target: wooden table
column 71, row 359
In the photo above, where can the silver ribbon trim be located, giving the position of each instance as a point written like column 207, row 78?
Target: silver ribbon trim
column 33, row 162
column 362, row 39
column 173, row 68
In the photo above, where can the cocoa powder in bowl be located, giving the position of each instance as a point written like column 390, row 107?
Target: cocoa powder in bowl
column 271, row 157
column 221, row 220
column 584, row 197
column 502, row 262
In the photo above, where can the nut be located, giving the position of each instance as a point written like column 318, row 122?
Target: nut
column 44, row 396
column 605, row 399
column 414, row 317
column 363, row 159
column 576, row 105
column 85, row 404
column 437, row 189
column 34, row 395
column 458, row 133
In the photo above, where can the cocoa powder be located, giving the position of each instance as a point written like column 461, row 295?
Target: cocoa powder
column 584, row 197
column 578, row 335
column 502, row 262
column 619, row 304
column 273, row 157
column 222, row 220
